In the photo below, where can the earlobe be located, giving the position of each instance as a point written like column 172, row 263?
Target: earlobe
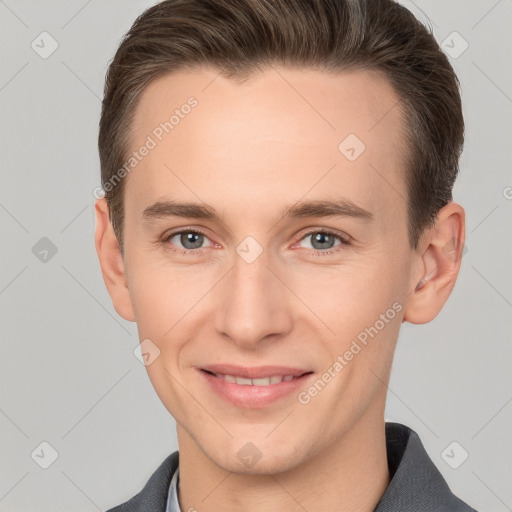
column 439, row 260
column 111, row 262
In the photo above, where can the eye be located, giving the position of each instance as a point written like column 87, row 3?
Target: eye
column 185, row 241
column 323, row 242
column 190, row 241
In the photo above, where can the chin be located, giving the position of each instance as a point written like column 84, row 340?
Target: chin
column 248, row 458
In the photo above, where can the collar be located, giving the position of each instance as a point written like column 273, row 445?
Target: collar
column 416, row 483
column 172, row 497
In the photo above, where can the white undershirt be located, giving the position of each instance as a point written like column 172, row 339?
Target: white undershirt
column 172, row 497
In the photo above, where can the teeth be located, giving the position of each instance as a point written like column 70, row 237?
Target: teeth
column 266, row 381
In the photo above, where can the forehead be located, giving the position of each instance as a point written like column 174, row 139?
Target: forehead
column 282, row 134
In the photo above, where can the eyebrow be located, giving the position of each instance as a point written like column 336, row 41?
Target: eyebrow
column 318, row 208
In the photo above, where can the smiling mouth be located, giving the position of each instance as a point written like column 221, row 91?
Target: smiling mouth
column 263, row 381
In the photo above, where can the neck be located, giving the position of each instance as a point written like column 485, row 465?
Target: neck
column 349, row 474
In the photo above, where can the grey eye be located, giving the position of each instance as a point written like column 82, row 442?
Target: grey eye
column 321, row 240
column 188, row 239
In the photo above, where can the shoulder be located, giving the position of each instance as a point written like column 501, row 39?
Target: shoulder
column 153, row 497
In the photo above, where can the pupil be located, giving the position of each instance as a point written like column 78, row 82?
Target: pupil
column 322, row 237
column 189, row 238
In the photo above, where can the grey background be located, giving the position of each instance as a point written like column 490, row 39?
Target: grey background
column 68, row 373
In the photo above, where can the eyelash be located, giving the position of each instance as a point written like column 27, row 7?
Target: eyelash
column 345, row 241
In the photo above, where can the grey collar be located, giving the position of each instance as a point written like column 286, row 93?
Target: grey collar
column 416, row 484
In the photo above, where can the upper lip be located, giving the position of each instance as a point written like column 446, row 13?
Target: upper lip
column 254, row 372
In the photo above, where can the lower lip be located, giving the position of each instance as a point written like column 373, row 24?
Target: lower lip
column 253, row 397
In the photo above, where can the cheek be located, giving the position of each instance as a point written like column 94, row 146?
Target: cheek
column 348, row 298
column 165, row 297
column 153, row 306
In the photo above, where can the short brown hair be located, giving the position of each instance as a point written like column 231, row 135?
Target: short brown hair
column 239, row 37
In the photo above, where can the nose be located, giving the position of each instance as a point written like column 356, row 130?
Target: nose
column 254, row 307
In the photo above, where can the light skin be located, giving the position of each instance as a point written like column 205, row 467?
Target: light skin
column 249, row 150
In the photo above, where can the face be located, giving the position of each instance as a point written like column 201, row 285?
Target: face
column 255, row 283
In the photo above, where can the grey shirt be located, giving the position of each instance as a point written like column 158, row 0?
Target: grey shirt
column 416, row 484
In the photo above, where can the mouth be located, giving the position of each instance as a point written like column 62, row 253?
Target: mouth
column 262, row 381
column 254, row 387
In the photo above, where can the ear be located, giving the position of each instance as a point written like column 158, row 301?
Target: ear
column 439, row 257
column 111, row 262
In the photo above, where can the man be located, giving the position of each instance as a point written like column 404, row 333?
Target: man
column 238, row 138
